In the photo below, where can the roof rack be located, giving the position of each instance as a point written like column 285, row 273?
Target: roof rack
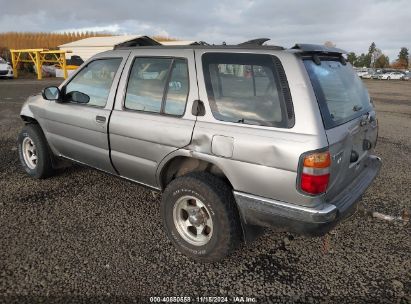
column 253, row 43
column 317, row 48
column 141, row 41
column 257, row 41
column 260, row 42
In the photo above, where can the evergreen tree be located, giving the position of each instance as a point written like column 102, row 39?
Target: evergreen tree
column 403, row 56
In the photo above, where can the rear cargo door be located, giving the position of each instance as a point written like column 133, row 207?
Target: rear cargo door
column 348, row 116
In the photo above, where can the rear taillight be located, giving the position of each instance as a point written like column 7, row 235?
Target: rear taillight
column 315, row 172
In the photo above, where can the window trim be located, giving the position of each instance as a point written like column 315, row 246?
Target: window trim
column 63, row 89
column 280, row 79
column 165, row 90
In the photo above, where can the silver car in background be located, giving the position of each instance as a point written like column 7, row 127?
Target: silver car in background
column 391, row 76
column 235, row 137
column 6, row 70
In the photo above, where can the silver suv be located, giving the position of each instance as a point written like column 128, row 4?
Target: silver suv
column 235, row 137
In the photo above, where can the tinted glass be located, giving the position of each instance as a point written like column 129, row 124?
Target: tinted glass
column 244, row 88
column 146, row 85
column 95, row 80
column 341, row 93
column 177, row 88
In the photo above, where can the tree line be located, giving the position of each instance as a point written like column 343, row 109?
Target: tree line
column 28, row 40
column 376, row 59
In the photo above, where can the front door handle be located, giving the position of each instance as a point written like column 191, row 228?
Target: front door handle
column 100, row 119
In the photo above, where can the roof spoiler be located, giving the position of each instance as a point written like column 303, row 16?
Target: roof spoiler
column 317, row 48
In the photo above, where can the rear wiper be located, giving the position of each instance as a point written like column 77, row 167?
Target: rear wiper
column 357, row 108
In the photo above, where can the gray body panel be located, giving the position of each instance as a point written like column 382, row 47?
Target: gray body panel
column 76, row 134
column 342, row 140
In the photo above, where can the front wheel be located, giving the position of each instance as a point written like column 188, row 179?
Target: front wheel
column 34, row 152
column 200, row 216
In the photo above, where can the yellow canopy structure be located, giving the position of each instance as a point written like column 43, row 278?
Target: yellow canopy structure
column 38, row 57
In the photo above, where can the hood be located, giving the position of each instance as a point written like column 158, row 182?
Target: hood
column 4, row 66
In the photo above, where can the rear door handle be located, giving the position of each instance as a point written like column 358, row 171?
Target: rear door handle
column 100, row 119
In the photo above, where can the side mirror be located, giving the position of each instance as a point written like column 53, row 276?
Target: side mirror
column 51, row 93
column 77, row 96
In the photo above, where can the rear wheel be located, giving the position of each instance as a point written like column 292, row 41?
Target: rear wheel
column 34, row 152
column 388, row 78
column 200, row 216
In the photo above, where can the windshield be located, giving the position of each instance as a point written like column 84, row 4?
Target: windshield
column 2, row 60
column 340, row 93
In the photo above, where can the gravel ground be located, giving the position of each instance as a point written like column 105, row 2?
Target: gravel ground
column 84, row 236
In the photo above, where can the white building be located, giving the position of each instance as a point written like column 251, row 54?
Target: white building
column 88, row 47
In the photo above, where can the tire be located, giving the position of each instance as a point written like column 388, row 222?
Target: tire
column 42, row 167
column 219, row 206
column 388, row 78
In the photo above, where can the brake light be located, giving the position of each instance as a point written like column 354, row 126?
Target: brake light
column 315, row 173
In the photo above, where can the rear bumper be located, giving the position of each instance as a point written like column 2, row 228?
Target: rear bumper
column 317, row 221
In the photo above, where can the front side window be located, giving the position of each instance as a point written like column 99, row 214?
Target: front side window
column 244, row 88
column 158, row 85
column 95, row 81
column 177, row 92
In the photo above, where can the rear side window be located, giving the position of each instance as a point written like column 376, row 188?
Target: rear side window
column 246, row 88
column 158, row 85
column 340, row 92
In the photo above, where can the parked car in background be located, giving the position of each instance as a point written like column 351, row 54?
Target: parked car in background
column 234, row 137
column 6, row 70
column 377, row 74
column 368, row 75
column 362, row 72
column 391, row 75
column 406, row 76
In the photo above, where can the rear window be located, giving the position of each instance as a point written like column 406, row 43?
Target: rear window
column 340, row 92
column 245, row 88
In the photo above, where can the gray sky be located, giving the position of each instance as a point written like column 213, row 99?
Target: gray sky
column 351, row 24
